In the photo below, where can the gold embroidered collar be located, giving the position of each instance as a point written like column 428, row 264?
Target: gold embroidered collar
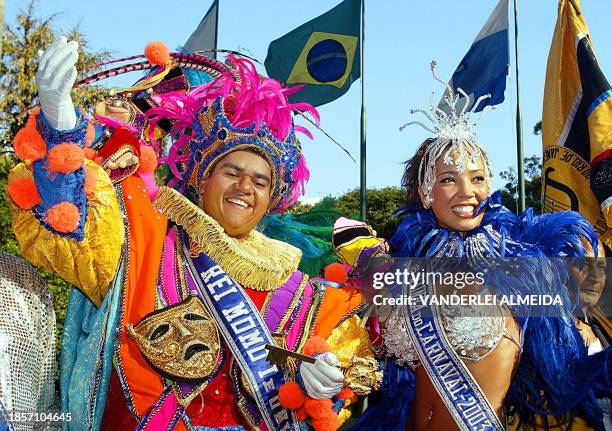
column 256, row 261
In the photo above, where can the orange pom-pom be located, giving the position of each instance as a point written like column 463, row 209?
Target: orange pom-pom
column 90, row 134
column 90, row 153
column 331, row 422
column 90, row 179
column 157, row 53
column 24, row 193
column 65, row 157
column 291, row 396
column 336, row 272
column 32, row 117
column 301, row 414
column 148, row 159
column 316, row 344
column 318, row 408
column 63, row 217
column 28, row 144
column 347, row 394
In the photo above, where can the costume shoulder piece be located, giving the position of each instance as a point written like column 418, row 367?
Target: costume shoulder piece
column 257, row 261
column 501, row 233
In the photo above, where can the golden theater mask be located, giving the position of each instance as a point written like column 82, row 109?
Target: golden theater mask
column 181, row 341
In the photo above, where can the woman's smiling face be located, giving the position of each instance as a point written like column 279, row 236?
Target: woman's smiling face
column 456, row 195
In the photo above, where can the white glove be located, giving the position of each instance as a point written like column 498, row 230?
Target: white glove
column 55, row 76
column 322, row 379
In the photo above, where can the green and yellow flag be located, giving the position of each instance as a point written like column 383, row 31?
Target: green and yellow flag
column 322, row 53
column 577, row 126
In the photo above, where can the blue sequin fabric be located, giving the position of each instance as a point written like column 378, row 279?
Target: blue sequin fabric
column 55, row 187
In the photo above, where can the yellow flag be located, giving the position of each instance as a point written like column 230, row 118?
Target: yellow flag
column 577, row 126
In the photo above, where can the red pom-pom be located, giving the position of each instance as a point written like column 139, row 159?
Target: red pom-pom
column 65, row 157
column 90, row 134
column 318, row 408
column 316, row 344
column 24, row 193
column 301, row 414
column 157, row 53
column 291, row 396
column 336, row 272
column 28, row 144
column 63, row 217
column 147, row 160
column 327, row 423
column 347, row 394
column 90, row 179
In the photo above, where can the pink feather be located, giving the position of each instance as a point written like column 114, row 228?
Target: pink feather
column 300, row 175
column 252, row 99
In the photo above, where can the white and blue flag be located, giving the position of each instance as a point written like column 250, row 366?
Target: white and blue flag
column 484, row 68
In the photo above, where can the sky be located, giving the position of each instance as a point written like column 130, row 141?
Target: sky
column 401, row 39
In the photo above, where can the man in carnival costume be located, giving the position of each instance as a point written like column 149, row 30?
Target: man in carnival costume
column 178, row 295
column 471, row 367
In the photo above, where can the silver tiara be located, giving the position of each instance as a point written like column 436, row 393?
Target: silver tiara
column 454, row 133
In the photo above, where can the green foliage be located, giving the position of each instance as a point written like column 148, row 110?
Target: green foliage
column 60, row 289
column 381, row 203
column 533, row 185
column 537, row 129
column 7, row 238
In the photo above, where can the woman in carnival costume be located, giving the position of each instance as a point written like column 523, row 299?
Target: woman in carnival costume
column 449, row 367
column 176, row 300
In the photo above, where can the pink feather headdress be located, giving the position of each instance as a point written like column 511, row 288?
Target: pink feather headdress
column 238, row 110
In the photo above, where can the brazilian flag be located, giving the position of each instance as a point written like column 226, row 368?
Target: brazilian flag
column 322, row 53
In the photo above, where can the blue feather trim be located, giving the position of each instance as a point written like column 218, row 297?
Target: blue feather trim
column 555, row 375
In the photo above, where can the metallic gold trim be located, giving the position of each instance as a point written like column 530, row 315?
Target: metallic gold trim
column 257, row 261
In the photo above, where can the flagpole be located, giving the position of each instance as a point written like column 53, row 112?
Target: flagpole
column 362, row 147
column 519, row 120
column 216, row 27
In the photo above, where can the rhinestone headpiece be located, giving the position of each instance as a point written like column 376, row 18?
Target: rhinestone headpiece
column 454, row 133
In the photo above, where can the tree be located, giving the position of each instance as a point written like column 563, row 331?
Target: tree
column 18, row 95
column 533, row 181
column 537, row 129
column 381, row 204
column 21, row 44
column 533, row 185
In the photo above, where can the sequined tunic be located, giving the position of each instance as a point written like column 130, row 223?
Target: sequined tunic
column 27, row 339
column 474, row 332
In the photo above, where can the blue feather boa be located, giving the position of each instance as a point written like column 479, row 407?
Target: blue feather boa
column 555, row 375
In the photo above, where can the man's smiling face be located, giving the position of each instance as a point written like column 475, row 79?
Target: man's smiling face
column 237, row 192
